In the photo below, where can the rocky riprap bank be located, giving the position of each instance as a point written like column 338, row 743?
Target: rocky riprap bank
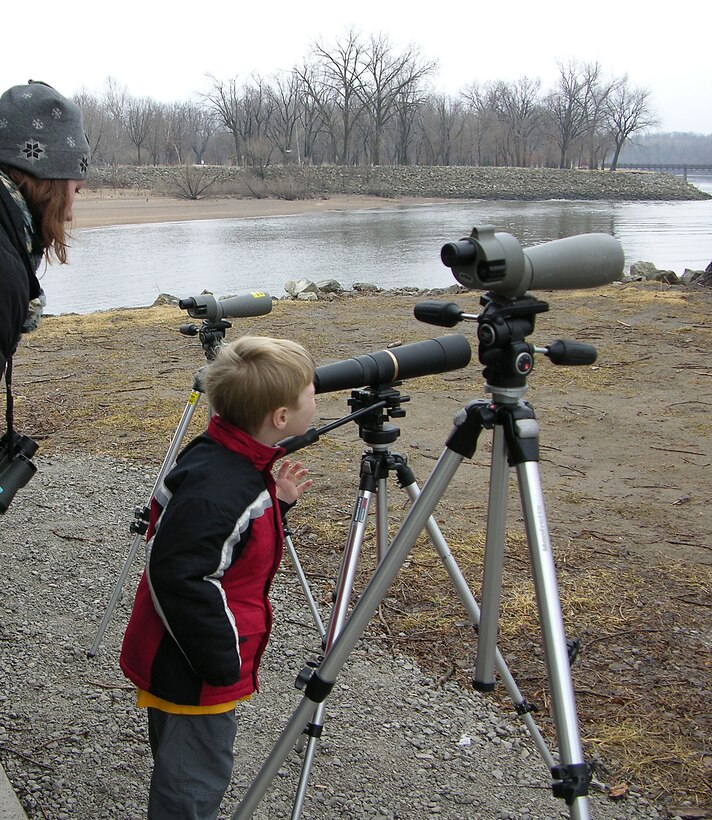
column 466, row 182
column 305, row 290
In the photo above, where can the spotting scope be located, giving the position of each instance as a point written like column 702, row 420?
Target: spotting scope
column 206, row 306
column 395, row 364
column 495, row 261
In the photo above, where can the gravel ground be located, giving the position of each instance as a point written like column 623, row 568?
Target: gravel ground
column 395, row 745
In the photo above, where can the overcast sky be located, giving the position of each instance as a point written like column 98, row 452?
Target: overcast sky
column 165, row 50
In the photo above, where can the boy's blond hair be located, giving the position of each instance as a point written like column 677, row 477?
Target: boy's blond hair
column 254, row 375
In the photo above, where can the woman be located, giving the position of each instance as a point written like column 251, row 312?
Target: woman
column 44, row 158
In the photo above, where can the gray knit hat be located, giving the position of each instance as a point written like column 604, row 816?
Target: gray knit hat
column 41, row 132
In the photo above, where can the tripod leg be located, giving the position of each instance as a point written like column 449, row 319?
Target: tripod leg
column 468, row 601
column 382, row 539
column 494, row 558
column 311, row 603
column 320, row 682
column 338, row 615
column 139, row 526
column 572, row 771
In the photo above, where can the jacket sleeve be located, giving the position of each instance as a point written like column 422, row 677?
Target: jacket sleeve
column 14, row 295
column 285, row 507
column 194, row 545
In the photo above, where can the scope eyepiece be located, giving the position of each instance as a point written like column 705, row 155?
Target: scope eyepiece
column 462, row 252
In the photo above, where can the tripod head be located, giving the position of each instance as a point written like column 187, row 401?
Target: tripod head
column 378, row 404
column 211, row 335
column 504, row 325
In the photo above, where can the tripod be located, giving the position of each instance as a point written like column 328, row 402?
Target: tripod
column 211, row 335
column 508, row 359
column 373, row 407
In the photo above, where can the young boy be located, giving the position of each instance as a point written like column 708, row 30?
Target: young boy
column 201, row 618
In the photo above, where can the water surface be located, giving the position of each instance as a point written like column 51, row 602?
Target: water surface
column 130, row 265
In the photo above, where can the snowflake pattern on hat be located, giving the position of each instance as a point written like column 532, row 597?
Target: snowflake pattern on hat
column 32, row 150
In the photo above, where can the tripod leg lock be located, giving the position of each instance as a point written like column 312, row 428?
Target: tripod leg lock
column 316, row 689
column 573, row 647
column 573, row 780
column 314, row 730
column 524, row 707
column 140, row 523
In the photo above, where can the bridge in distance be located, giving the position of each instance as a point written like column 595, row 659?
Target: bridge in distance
column 679, row 168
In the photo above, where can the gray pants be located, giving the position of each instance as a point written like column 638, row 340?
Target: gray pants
column 192, row 764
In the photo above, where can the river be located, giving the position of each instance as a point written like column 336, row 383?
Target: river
column 130, row 265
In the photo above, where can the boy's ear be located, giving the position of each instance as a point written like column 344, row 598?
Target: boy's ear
column 279, row 418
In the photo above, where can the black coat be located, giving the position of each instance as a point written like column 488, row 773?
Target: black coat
column 18, row 282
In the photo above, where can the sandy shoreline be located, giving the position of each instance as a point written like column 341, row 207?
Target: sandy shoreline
column 95, row 211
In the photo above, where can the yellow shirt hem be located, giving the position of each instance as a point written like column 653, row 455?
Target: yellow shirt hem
column 145, row 700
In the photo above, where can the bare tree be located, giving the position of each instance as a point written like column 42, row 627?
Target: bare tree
column 224, row 100
column 139, row 118
column 94, row 117
column 115, row 100
column 408, row 103
column 332, row 82
column 315, row 117
column 597, row 139
column 628, row 112
column 284, row 125
column 175, row 132
column 570, row 105
column 487, row 134
column 520, row 113
column 318, row 110
column 257, row 106
column 442, row 127
column 159, row 140
column 384, row 81
column 201, row 124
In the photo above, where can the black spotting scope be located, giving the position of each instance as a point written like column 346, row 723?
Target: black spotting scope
column 395, row 364
column 496, row 262
column 254, row 303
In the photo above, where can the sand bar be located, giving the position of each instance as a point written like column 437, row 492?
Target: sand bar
column 92, row 210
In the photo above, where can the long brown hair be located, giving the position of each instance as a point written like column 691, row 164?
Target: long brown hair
column 47, row 201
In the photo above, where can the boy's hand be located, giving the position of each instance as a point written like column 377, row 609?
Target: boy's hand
column 289, row 481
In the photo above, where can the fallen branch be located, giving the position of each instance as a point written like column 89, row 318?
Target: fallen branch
column 123, row 686
column 25, row 757
column 673, row 450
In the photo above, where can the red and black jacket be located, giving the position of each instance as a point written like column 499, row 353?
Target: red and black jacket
column 202, row 617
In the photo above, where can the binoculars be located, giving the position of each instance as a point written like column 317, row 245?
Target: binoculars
column 16, row 466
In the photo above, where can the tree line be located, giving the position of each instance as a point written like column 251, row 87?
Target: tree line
column 361, row 101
